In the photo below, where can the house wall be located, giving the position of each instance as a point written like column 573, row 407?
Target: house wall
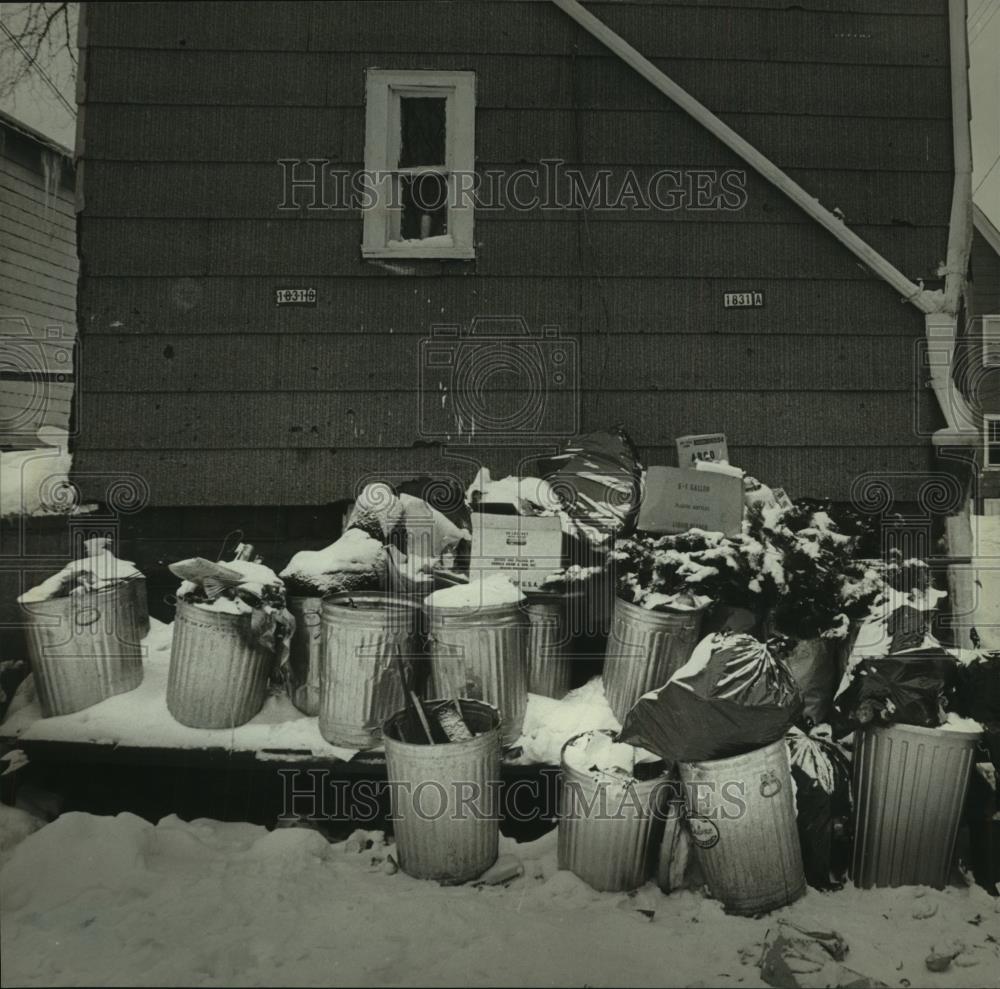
column 984, row 275
column 195, row 380
column 38, row 273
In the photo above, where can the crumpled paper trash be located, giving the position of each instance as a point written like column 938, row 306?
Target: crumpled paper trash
column 795, row 958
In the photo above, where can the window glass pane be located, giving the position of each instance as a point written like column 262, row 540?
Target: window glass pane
column 422, row 137
column 425, row 206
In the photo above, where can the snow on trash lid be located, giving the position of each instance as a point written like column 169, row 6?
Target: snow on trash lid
column 493, row 590
column 955, row 722
column 98, row 570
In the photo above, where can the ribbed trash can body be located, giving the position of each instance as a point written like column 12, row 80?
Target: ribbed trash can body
column 86, row 647
column 645, row 648
column 363, row 634
column 741, row 816
column 608, row 837
column 305, row 653
column 548, row 644
column 218, row 678
column 481, row 653
column 909, row 790
column 444, row 797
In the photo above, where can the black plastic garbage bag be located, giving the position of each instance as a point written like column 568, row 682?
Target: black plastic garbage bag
column 913, row 688
column 597, row 478
column 732, row 696
column 813, row 664
column 979, row 689
column 821, row 769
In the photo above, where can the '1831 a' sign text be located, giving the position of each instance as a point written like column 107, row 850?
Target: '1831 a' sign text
column 743, row 300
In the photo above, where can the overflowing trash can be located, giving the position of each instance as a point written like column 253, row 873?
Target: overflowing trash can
column 86, row 647
column 444, row 796
column 909, row 791
column 84, row 627
column 611, row 816
column 218, row 675
column 741, row 817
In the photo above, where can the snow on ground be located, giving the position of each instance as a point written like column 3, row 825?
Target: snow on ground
column 118, row 901
column 15, row 826
column 140, row 718
column 36, row 482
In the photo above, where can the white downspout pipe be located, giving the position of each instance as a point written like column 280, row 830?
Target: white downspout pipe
column 960, row 225
column 964, row 425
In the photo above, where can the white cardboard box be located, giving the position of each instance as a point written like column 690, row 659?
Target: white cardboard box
column 703, row 446
column 675, row 500
column 525, row 548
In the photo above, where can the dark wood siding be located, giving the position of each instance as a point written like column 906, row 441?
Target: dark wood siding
column 983, row 383
column 195, row 380
column 38, row 274
column 984, row 275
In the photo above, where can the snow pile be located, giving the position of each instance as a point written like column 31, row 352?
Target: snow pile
column 118, row 901
column 486, row 593
column 356, row 561
column 550, row 723
column 36, row 482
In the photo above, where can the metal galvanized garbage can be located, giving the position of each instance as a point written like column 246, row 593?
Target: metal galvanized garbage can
column 645, row 648
column 444, row 797
column 305, row 653
column 85, row 647
column 548, row 642
column 609, row 831
column 218, row 677
column 741, row 817
column 909, row 790
column 358, row 676
column 481, row 653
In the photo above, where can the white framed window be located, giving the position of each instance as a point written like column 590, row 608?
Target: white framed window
column 991, row 440
column 991, row 341
column 420, row 160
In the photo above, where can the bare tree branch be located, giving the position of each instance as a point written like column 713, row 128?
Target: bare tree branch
column 46, row 33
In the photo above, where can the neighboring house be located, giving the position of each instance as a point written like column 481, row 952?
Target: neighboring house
column 38, row 274
column 239, row 353
column 984, row 310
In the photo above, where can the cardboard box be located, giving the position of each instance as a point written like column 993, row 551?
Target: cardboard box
column 525, row 548
column 702, row 446
column 676, row 499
